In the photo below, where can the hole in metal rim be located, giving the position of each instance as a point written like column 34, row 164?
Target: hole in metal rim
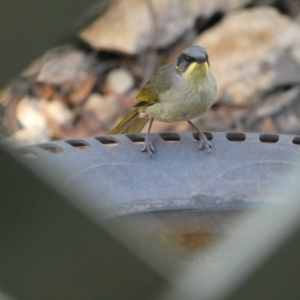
column 136, row 138
column 107, row 141
column 27, row 153
column 269, row 138
column 170, row 137
column 78, row 144
column 236, row 136
column 51, row 148
column 296, row 140
column 208, row 135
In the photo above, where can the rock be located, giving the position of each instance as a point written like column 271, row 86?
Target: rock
column 246, row 50
column 27, row 136
column 119, row 81
column 36, row 117
column 33, row 122
column 62, row 64
column 63, row 72
column 130, row 26
column 57, row 112
column 104, row 107
column 29, row 113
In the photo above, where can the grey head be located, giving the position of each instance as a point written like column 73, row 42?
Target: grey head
column 190, row 55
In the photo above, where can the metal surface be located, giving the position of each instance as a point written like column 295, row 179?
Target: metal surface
column 241, row 170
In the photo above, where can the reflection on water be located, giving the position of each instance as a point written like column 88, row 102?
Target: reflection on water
column 172, row 238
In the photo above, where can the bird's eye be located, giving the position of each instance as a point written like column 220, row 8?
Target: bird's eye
column 189, row 59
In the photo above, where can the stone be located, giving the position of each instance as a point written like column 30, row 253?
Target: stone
column 119, row 81
column 246, row 50
column 130, row 26
column 62, row 65
column 33, row 122
column 64, row 72
column 29, row 113
column 104, row 107
column 57, row 112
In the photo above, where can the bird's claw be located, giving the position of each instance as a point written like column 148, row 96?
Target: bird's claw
column 204, row 142
column 148, row 147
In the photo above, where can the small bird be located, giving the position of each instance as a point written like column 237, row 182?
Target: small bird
column 180, row 91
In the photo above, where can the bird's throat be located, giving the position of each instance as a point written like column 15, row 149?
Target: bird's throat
column 196, row 71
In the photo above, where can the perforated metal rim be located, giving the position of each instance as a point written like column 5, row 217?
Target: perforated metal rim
column 55, row 146
column 116, row 176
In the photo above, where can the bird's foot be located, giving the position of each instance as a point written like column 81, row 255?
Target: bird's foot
column 148, row 147
column 204, row 143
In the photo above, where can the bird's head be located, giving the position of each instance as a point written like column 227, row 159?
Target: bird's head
column 193, row 61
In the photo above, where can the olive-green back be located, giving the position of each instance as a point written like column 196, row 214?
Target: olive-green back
column 149, row 95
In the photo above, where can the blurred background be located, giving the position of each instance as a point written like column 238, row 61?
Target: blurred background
column 82, row 83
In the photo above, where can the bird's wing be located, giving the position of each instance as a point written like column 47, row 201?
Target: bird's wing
column 130, row 124
column 160, row 82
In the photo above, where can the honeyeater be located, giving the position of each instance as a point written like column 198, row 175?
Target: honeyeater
column 180, row 91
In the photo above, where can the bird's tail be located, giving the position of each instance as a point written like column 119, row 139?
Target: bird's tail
column 130, row 124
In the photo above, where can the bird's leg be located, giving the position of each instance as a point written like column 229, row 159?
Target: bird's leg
column 148, row 145
column 203, row 141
